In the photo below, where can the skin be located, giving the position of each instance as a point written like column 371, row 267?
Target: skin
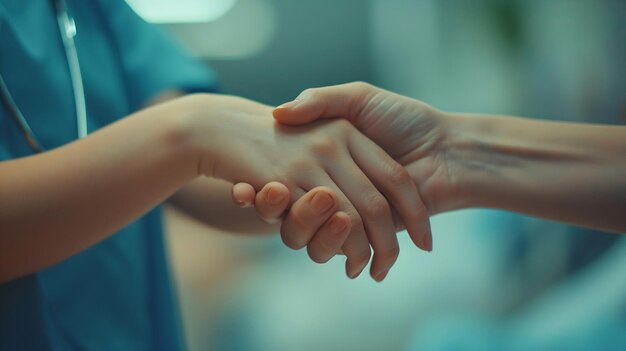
column 568, row 172
column 209, row 200
column 100, row 189
column 324, row 231
column 342, row 158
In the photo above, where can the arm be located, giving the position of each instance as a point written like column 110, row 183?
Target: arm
column 58, row 203
column 152, row 62
column 90, row 188
column 568, row 172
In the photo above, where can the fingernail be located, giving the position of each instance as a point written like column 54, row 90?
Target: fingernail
column 322, row 202
column 425, row 243
column 379, row 278
column 337, row 225
column 274, row 197
column 290, row 104
column 428, row 241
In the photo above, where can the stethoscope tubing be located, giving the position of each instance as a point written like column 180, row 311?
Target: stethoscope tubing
column 22, row 124
column 67, row 30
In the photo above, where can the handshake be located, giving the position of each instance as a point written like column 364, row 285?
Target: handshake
column 344, row 168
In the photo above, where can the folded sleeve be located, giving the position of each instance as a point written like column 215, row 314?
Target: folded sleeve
column 152, row 62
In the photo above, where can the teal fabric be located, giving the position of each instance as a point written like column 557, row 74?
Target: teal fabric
column 116, row 295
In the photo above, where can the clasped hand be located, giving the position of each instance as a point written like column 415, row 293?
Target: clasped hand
column 340, row 185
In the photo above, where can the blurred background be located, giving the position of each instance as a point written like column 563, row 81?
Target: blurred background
column 495, row 280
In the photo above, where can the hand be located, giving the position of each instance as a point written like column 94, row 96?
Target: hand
column 239, row 142
column 323, row 229
column 408, row 130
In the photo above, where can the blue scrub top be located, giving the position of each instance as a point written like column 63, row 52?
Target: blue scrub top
column 117, row 295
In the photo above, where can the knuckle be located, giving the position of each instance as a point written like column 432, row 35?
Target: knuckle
column 324, row 145
column 377, row 206
column 361, row 85
column 397, row 174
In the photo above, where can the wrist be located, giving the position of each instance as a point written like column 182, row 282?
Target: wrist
column 179, row 135
column 206, row 128
column 466, row 144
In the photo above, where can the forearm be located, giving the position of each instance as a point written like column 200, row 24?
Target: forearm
column 58, row 203
column 569, row 172
column 210, row 201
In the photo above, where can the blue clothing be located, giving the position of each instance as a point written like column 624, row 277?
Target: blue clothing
column 117, row 295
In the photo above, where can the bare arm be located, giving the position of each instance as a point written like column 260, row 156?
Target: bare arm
column 58, row 203
column 569, row 172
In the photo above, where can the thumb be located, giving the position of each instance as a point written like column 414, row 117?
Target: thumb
column 339, row 101
column 302, row 110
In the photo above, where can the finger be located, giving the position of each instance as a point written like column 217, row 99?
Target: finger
column 375, row 213
column 397, row 220
column 396, row 184
column 329, row 238
column 307, row 215
column 336, row 101
column 243, row 194
column 356, row 248
column 272, row 201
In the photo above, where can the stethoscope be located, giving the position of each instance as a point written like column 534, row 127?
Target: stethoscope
column 67, row 29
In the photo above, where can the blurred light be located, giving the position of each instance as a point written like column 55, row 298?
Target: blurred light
column 244, row 31
column 181, row 11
